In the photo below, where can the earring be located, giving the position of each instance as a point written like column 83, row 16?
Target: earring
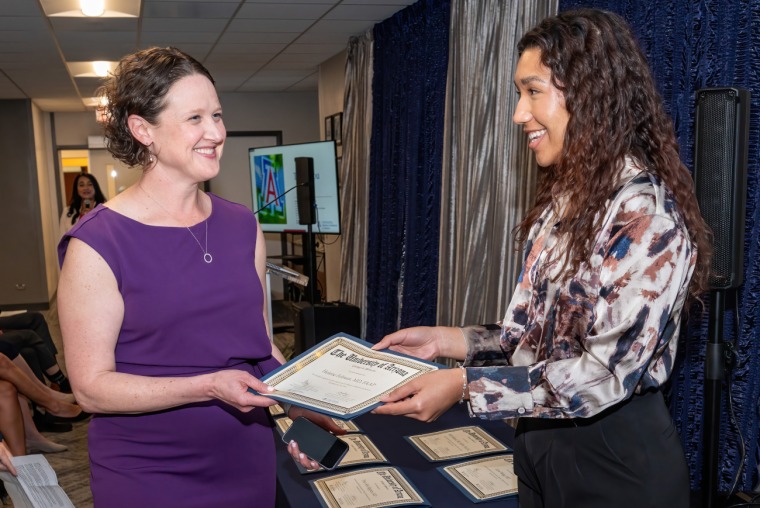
column 151, row 159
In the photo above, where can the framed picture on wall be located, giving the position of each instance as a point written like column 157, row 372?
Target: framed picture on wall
column 328, row 128
column 337, row 128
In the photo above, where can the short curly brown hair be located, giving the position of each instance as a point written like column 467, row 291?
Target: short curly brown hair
column 139, row 87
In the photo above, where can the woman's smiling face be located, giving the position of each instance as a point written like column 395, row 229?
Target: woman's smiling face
column 541, row 108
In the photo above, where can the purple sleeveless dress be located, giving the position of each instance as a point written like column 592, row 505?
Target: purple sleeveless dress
column 183, row 317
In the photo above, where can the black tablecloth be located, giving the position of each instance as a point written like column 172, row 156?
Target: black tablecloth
column 387, row 432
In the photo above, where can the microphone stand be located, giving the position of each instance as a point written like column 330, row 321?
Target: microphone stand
column 311, row 262
column 715, row 374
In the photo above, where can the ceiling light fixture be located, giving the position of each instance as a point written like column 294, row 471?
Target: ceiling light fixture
column 101, row 68
column 93, row 7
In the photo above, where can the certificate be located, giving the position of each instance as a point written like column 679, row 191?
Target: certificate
column 367, row 488
column 276, row 410
column 483, row 479
column 284, row 423
column 343, row 377
column 361, row 450
column 456, row 443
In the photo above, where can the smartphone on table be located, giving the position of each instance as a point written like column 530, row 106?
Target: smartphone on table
column 320, row 445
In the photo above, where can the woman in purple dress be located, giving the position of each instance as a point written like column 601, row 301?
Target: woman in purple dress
column 174, row 331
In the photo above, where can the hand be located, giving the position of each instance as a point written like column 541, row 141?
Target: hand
column 424, row 398
column 231, row 386
column 323, row 421
column 5, row 460
column 423, row 342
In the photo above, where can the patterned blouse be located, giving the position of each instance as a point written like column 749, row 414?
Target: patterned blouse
column 572, row 349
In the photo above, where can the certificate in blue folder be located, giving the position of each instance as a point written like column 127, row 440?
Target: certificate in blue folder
column 343, row 377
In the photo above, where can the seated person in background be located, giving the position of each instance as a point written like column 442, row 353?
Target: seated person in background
column 85, row 196
column 5, row 465
column 16, row 423
column 11, row 419
column 5, row 458
column 15, row 416
column 29, row 321
column 28, row 332
column 56, row 403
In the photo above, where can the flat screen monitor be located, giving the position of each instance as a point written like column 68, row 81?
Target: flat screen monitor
column 273, row 177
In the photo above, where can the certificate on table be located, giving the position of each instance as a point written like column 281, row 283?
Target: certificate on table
column 343, row 377
column 456, row 443
column 361, row 451
column 483, row 479
column 284, row 423
column 375, row 487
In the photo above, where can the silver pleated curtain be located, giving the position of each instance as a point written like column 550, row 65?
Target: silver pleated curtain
column 354, row 172
column 489, row 174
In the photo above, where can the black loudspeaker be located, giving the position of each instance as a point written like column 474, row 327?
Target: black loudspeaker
column 315, row 323
column 305, row 192
column 720, row 176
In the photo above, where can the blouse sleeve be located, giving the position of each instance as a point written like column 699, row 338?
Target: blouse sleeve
column 645, row 269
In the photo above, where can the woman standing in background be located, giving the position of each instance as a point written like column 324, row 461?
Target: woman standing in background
column 85, row 195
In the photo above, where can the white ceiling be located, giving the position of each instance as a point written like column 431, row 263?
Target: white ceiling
column 248, row 45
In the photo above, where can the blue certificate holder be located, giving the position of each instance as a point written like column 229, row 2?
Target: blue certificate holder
column 343, row 377
column 483, row 479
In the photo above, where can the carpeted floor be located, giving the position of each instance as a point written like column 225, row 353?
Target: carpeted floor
column 72, row 466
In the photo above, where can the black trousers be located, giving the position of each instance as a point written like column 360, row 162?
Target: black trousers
column 30, row 321
column 628, row 456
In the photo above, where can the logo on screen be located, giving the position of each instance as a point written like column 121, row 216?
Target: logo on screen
column 270, row 187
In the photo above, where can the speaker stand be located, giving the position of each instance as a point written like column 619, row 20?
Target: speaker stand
column 311, row 263
column 715, row 373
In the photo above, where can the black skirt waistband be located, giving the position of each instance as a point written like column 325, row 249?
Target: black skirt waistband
column 530, row 423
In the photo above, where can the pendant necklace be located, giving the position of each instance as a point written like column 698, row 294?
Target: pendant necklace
column 207, row 257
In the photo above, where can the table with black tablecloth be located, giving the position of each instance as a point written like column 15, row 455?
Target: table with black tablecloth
column 387, row 432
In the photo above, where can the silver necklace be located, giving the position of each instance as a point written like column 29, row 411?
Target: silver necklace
column 207, row 257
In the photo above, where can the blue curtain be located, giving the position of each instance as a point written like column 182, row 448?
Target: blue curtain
column 409, row 89
column 694, row 44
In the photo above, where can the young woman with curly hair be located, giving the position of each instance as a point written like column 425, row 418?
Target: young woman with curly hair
column 614, row 247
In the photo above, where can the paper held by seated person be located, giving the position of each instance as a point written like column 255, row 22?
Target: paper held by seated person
column 36, row 485
column 343, row 377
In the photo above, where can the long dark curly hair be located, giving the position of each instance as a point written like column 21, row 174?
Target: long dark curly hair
column 138, row 87
column 76, row 199
column 615, row 110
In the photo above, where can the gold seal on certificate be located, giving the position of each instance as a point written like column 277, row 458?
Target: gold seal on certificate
column 343, row 377
column 375, row 487
column 485, row 478
column 456, row 443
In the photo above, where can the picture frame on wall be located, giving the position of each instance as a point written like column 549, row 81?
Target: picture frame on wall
column 337, row 125
column 328, row 128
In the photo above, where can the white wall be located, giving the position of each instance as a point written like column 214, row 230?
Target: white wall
column 293, row 113
column 48, row 198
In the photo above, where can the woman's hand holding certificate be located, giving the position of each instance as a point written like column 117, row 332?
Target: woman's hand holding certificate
column 343, row 377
